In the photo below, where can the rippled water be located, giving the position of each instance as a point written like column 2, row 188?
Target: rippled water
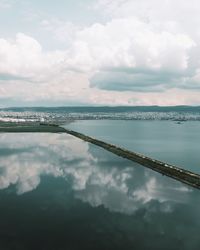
column 58, row 192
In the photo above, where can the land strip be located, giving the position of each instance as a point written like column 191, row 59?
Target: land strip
column 10, row 127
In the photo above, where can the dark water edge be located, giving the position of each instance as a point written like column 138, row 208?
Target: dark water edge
column 50, row 218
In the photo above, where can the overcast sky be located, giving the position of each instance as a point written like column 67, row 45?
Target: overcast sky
column 99, row 52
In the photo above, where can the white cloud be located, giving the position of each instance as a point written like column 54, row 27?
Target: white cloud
column 24, row 57
column 130, row 43
column 180, row 12
column 130, row 52
column 132, row 55
column 123, row 44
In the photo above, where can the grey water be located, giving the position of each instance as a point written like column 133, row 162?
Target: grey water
column 58, row 192
column 170, row 141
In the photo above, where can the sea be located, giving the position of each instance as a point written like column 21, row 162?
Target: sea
column 58, row 192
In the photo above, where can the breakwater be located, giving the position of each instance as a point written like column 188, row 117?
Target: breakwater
column 172, row 171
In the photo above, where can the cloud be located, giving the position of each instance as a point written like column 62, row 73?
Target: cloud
column 24, row 57
column 132, row 55
column 29, row 73
column 138, row 82
column 126, row 53
column 130, row 43
column 178, row 12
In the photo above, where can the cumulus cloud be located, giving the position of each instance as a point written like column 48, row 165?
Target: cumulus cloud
column 137, row 56
column 133, row 55
column 130, row 43
column 29, row 73
column 141, row 47
column 24, row 57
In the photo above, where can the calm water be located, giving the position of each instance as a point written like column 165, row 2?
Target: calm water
column 57, row 192
column 165, row 140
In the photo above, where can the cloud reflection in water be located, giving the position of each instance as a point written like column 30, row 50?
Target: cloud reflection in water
column 97, row 177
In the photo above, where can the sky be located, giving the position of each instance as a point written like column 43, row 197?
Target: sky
column 99, row 52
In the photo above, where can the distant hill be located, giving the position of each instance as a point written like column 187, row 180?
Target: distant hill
column 106, row 109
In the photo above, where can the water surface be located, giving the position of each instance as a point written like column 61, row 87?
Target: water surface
column 58, row 192
column 164, row 140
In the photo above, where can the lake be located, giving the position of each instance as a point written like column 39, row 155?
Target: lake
column 58, row 192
